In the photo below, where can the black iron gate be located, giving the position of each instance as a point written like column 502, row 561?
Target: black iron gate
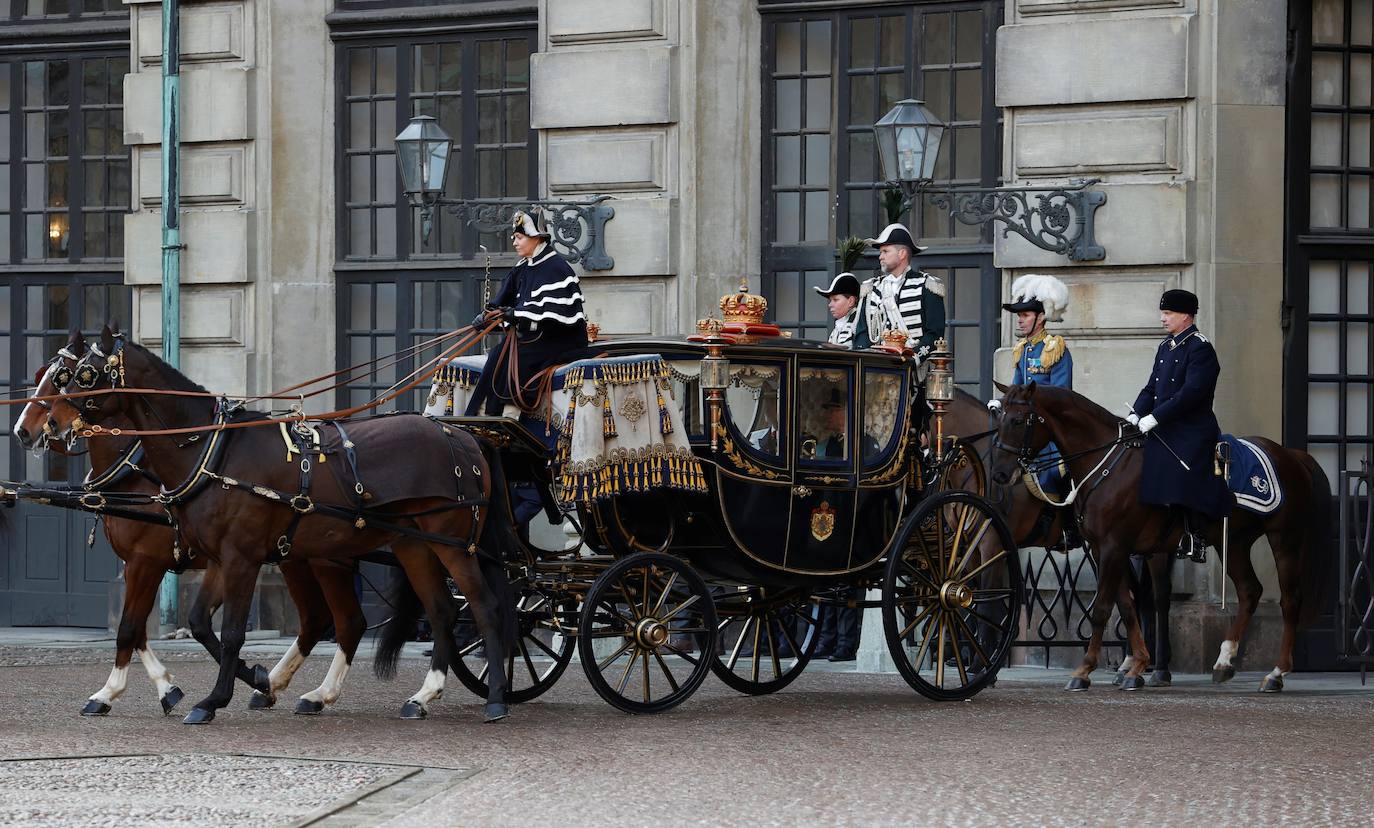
column 1059, row 592
column 1355, row 602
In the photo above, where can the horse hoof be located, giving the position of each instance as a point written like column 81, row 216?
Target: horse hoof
column 95, row 707
column 199, row 715
column 262, row 680
column 1078, row 685
column 413, row 710
column 307, row 707
column 1160, row 678
column 1223, row 674
column 1116, row 679
column 1132, row 682
column 171, row 699
column 1272, row 684
column 261, row 701
column 496, row 712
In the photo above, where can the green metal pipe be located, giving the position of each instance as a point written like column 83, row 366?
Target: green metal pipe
column 171, row 230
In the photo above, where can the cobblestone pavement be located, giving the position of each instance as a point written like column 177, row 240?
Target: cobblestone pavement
column 836, row 748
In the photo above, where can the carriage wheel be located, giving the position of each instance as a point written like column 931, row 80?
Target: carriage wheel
column 755, row 636
column 645, row 625
column 542, row 651
column 964, row 471
column 951, row 596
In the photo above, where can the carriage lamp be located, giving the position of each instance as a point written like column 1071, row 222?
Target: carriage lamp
column 715, row 374
column 939, row 391
column 1057, row 219
column 422, row 154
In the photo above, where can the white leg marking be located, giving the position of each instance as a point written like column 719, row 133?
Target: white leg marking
column 1276, row 673
column 285, row 670
column 1127, row 664
column 329, row 691
column 114, row 685
column 162, row 679
column 432, row 689
column 1228, row 652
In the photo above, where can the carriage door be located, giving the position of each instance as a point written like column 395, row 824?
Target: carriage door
column 50, row 575
column 1329, row 365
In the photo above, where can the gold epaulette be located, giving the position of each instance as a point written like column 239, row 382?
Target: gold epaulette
column 1016, row 351
column 1054, row 350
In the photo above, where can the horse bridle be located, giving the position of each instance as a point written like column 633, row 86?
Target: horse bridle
column 1025, row 455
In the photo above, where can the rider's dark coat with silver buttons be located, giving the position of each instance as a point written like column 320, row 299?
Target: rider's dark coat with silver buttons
column 1183, row 383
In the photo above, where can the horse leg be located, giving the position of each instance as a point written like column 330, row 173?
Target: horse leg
column 336, row 582
column 142, row 576
column 1111, row 562
column 238, row 576
column 487, row 608
column 313, row 616
column 1248, row 591
column 1160, row 577
column 1290, row 603
column 1134, row 599
column 1139, row 657
column 208, row 599
column 428, row 580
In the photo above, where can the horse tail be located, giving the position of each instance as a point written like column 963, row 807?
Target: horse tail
column 1316, row 578
column 500, row 543
column 398, row 628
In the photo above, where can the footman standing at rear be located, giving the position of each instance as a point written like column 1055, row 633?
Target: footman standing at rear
column 1175, row 409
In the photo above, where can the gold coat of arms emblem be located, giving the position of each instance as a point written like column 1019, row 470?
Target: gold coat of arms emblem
column 822, row 521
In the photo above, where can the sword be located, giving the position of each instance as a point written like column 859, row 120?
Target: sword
column 1223, row 452
column 1185, row 466
column 486, row 288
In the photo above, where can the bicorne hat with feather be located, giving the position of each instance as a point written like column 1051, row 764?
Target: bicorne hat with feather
column 532, row 223
column 1041, row 294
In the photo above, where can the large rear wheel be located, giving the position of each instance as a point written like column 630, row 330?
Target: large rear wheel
column 765, row 643
column 541, row 654
column 636, row 620
column 951, row 596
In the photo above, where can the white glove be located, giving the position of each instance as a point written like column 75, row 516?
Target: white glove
column 1147, row 423
column 995, row 406
column 1133, row 419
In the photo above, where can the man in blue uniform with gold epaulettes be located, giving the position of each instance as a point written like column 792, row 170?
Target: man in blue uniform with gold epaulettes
column 1175, row 410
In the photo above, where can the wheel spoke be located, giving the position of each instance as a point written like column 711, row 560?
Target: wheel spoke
column 529, row 664
column 972, row 547
column 486, row 668
column 672, row 579
column 470, row 648
column 998, row 625
column 921, row 653
column 606, row 662
column 773, row 646
column 625, row 677
column 919, row 574
column 628, row 601
column 754, row 668
column 644, row 662
column 973, row 640
column 958, row 657
column 541, row 645
column 679, row 608
column 791, row 642
column 920, row 616
column 682, row 654
column 984, row 565
column 663, row 665
column 940, row 651
column 739, row 642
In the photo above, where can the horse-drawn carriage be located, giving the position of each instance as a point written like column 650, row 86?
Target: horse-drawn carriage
column 719, row 489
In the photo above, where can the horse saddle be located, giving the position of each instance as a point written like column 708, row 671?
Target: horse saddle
column 1250, row 474
column 405, row 457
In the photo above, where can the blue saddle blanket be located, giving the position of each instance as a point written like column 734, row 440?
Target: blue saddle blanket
column 1253, row 479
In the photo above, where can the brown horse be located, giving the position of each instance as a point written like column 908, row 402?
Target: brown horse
column 322, row 591
column 1103, row 458
column 242, row 509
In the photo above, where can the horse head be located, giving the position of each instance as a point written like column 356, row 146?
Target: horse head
column 1022, row 432
column 39, row 423
column 100, row 367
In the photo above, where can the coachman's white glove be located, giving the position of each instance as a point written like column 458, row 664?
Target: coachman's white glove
column 1133, row 419
column 995, row 406
column 1147, row 423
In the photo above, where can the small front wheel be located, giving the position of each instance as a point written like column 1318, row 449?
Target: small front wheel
column 647, row 634
column 951, row 596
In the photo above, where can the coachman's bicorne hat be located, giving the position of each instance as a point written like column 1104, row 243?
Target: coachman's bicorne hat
column 846, row 284
column 896, row 234
column 531, row 224
column 1179, row 301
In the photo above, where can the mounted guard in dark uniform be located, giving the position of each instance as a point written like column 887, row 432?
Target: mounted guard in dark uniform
column 542, row 297
column 1175, row 410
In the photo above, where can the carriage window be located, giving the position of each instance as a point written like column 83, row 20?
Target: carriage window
column 823, row 402
column 687, row 394
column 753, row 401
column 882, row 412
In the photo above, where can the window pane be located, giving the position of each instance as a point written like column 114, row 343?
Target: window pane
column 936, row 93
column 891, row 88
column 1328, row 21
column 1357, row 348
column 359, row 71
column 59, row 83
column 789, row 48
column 489, row 120
column 1324, row 287
column 517, row 172
column 752, row 400
column 862, row 43
column 360, row 307
column 489, row 65
column 119, row 184
column 861, row 106
column 787, row 167
column 1360, row 79
column 817, row 216
column 360, row 178
column 386, row 306
column 861, row 156
column 1326, row 79
column 386, row 178
column 818, row 160
column 1326, row 140
column 1357, row 202
column 789, row 217
column 1357, row 409
column 818, row 103
column 968, row 153
column 360, row 232
column 386, row 125
column 451, row 116
column 788, row 104
column 1323, row 347
column 936, row 40
column 968, row 94
column 517, row 118
column 359, row 125
column 968, row 33
column 892, row 41
column 426, row 67
column 1325, row 193
column 517, row 64
column 386, row 71
column 1358, row 146
column 1357, row 287
column 94, row 175
column 823, row 400
column 814, row 307
column 818, row 46
column 386, row 231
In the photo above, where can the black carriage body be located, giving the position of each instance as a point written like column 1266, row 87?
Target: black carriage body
column 787, row 504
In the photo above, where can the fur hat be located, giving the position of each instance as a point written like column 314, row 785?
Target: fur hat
column 1179, row 301
column 1039, row 293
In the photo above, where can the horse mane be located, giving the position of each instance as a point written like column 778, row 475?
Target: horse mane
column 175, row 380
column 1062, row 396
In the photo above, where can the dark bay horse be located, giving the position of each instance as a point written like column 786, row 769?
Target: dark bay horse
column 147, row 551
column 1103, row 458
column 240, row 505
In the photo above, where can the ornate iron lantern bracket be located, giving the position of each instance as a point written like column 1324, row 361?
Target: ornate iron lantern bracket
column 577, row 228
column 1057, row 219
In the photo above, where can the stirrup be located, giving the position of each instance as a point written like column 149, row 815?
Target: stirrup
column 1192, row 546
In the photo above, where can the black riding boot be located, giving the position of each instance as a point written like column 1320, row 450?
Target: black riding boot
column 1192, row 545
